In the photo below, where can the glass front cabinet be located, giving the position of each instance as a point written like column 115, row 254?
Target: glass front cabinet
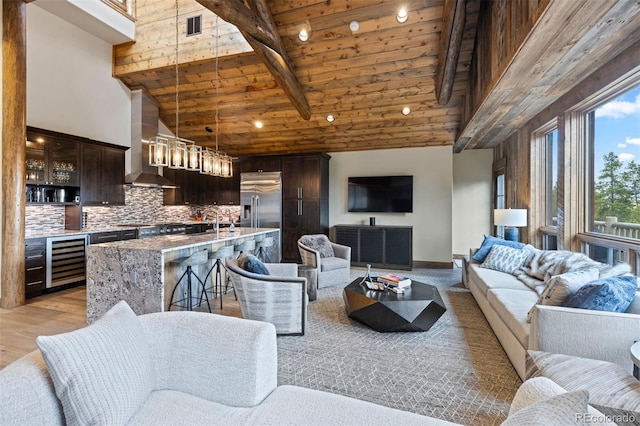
column 51, row 165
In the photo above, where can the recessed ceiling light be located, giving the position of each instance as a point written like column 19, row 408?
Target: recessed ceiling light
column 406, row 111
column 330, row 118
column 258, row 124
column 40, row 140
column 303, row 35
column 402, row 15
column 354, row 26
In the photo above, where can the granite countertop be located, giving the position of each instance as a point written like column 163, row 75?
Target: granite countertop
column 167, row 243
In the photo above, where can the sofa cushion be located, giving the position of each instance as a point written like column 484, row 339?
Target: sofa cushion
column 512, row 307
column 486, row 279
column 612, row 294
column 489, row 242
column 101, row 373
column 562, row 409
column 333, row 263
column 252, row 264
column 319, row 243
column 505, row 259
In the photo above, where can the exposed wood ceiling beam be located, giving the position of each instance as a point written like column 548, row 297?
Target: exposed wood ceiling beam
column 451, row 41
column 236, row 13
column 259, row 29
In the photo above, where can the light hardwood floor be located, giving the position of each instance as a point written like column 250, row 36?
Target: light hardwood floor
column 56, row 313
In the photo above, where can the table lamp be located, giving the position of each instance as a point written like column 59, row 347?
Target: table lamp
column 510, row 219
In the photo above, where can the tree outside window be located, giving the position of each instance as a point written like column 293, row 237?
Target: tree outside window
column 614, row 136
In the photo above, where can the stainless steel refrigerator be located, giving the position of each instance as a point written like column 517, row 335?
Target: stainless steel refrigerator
column 261, row 201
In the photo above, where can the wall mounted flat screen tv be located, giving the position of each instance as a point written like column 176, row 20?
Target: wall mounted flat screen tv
column 381, row 194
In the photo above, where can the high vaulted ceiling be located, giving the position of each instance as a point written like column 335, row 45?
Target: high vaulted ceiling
column 363, row 78
column 529, row 53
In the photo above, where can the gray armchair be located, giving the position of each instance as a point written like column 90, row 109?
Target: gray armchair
column 332, row 261
column 279, row 298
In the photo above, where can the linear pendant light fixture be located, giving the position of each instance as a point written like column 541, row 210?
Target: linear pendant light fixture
column 178, row 153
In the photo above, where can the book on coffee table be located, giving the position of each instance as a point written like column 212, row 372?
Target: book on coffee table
column 395, row 280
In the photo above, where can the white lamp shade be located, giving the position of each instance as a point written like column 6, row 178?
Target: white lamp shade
column 510, row 217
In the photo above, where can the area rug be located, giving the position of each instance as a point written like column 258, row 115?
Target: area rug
column 456, row 371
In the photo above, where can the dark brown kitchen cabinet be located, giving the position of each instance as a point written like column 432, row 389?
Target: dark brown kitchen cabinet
column 261, row 164
column 102, row 181
column 305, row 198
column 35, row 266
column 196, row 188
column 51, row 158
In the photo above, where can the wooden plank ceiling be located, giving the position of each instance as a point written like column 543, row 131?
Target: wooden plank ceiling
column 363, row 78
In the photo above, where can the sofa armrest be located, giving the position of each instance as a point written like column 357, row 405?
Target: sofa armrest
column 227, row 360
column 283, row 269
column 341, row 251
column 471, row 253
column 309, row 256
column 585, row 333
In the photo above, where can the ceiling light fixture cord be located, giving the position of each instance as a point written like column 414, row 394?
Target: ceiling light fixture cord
column 177, row 80
column 217, row 83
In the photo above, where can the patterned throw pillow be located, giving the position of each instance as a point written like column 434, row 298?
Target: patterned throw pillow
column 489, row 242
column 505, row 259
column 613, row 294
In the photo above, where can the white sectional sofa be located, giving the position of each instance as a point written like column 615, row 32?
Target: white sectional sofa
column 506, row 301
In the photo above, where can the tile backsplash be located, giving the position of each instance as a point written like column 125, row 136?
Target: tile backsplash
column 142, row 205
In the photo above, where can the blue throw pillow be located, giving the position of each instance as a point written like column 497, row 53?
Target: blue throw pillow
column 613, row 294
column 489, row 242
column 252, row 264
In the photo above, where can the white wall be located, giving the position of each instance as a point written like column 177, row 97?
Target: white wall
column 69, row 84
column 432, row 170
column 471, row 198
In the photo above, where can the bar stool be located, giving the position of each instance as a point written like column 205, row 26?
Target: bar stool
column 262, row 248
column 198, row 258
column 245, row 247
column 218, row 255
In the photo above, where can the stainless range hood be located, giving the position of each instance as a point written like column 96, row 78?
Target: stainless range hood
column 144, row 126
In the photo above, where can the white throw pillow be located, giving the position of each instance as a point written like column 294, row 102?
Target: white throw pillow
column 505, row 259
column 559, row 287
column 101, row 373
column 566, row 409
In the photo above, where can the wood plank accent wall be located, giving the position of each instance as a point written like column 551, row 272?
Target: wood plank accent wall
column 156, row 38
column 567, row 41
column 518, row 152
column 14, row 134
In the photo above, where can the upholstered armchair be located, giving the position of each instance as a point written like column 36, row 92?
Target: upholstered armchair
column 332, row 261
column 279, row 298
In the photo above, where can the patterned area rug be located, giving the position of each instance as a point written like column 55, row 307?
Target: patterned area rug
column 456, row 371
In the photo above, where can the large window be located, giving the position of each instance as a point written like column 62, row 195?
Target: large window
column 613, row 139
column 499, row 201
column 551, row 177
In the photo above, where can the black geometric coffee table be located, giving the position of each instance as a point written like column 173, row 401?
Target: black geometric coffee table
column 415, row 310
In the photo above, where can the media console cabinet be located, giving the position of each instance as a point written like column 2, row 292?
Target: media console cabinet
column 378, row 246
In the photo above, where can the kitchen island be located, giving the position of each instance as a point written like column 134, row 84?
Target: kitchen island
column 139, row 272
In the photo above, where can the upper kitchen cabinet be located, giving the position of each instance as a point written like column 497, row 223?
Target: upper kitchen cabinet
column 102, row 180
column 51, row 158
column 261, row 164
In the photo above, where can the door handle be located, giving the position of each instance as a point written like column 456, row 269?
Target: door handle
column 257, row 211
